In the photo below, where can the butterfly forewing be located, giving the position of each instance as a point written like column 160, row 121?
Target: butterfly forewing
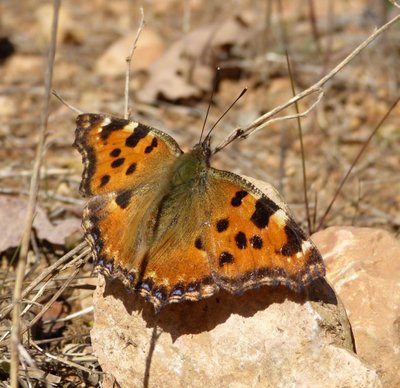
column 126, row 167
column 118, row 153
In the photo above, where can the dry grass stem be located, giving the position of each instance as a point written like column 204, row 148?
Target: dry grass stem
column 303, row 157
column 58, row 266
column 363, row 148
column 129, row 62
column 34, row 188
column 52, row 300
column 63, row 361
column 68, row 105
column 56, row 197
column 245, row 131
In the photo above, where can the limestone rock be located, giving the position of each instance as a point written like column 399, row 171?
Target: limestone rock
column 263, row 338
column 363, row 265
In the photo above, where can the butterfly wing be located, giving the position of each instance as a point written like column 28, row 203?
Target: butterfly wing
column 254, row 241
column 126, row 166
column 225, row 234
column 119, row 153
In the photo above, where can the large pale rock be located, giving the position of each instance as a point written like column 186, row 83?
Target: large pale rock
column 263, row 338
column 364, row 268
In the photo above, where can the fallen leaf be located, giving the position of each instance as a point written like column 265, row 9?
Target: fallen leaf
column 149, row 48
column 12, row 219
column 174, row 76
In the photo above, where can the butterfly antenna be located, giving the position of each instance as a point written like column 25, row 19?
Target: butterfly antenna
column 216, row 79
column 223, row 115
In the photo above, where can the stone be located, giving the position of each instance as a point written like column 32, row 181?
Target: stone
column 263, row 338
column 363, row 265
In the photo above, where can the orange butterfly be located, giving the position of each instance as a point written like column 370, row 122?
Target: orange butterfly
column 172, row 227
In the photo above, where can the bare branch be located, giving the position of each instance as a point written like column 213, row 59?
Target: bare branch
column 68, row 105
column 395, row 3
column 128, row 64
column 34, row 188
column 243, row 132
column 363, row 148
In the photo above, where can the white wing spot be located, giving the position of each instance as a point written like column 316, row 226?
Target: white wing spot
column 280, row 218
column 131, row 126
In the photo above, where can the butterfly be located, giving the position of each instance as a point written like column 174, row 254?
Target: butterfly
column 172, row 227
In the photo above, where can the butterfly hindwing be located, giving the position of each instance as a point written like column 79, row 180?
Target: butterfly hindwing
column 254, row 239
column 226, row 234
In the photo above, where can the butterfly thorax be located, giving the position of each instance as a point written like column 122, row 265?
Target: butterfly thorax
column 191, row 166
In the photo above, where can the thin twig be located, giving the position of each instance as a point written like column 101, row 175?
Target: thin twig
column 289, row 117
column 8, row 173
column 52, row 300
column 55, row 267
column 243, row 132
column 128, row 64
column 314, row 27
column 56, row 197
column 87, row 310
column 34, row 188
column 303, row 156
column 77, row 263
column 363, row 148
column 66, row 362
column 68, row 105
column 395, row 3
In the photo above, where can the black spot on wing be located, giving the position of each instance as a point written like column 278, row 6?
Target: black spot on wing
column 117, row 162
column 104, row 180
column 199, row 244
column 115, row 125
column 123, row 199
column 264, row 209
column 222, row 225
column 241, row 240
column 150, row 148
column 256, row 242
column 115, row 152
column 295, row 237
column 225, row 258
column 138, row 134
column 131, row 169
column 237, row 199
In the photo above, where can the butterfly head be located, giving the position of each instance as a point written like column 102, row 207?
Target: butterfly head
column 203, row 149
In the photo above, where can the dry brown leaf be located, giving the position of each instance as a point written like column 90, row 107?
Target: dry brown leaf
column 149, row 48
column 174, row 76
column 12, row 218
